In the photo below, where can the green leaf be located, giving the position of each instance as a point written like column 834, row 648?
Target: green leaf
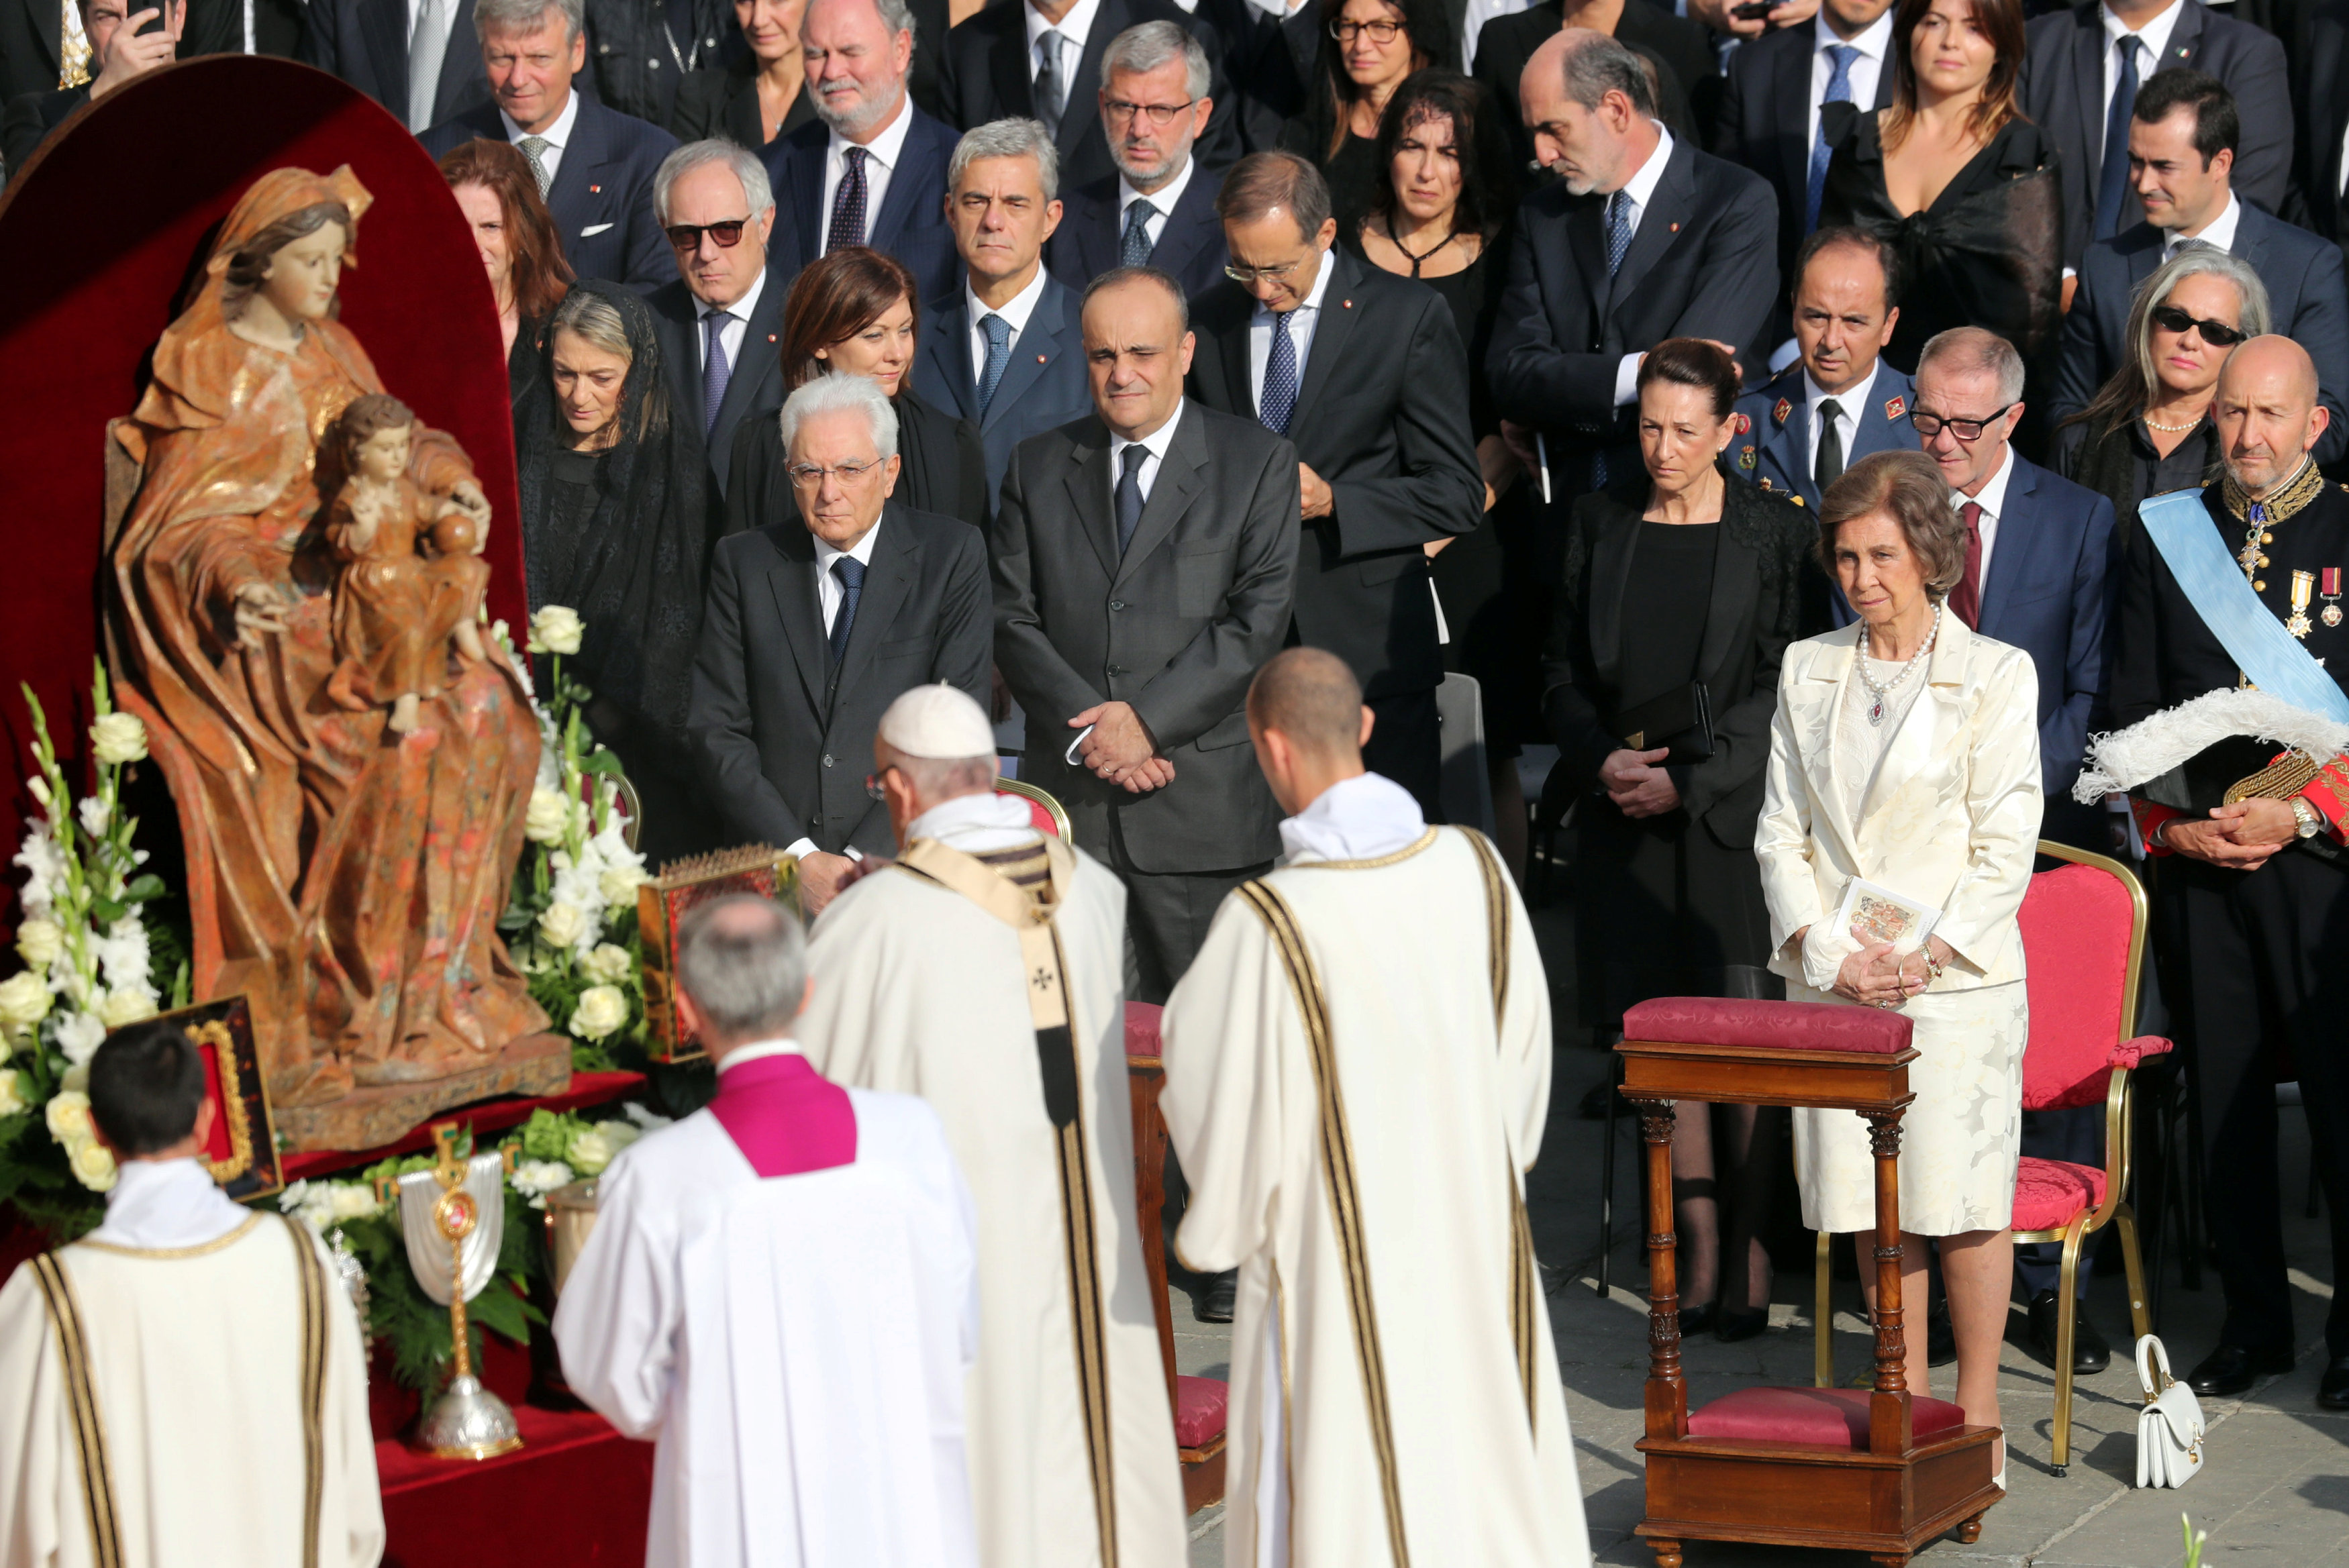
column 105, row 912
column 144, row 887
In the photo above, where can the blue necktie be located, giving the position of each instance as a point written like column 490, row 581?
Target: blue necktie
column 1621, row 210
column 715, row 371
column 1129, row 494
column 1839, row 59
column 1277, row 400
column 998, row 355
column 848, row 202
column 1134, row 249
column 2113, row 181
column 851, row 572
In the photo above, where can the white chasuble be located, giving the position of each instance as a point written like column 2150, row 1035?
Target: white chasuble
column 197, row 1407
column 1357, row 1073
column 915, row 986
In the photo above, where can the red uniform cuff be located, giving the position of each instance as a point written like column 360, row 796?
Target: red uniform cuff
column 2150, row 816
column 2328, row 793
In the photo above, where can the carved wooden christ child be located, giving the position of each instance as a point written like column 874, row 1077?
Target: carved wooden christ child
column 351, row 782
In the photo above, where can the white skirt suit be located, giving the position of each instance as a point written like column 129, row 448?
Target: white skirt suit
column 1946, row 811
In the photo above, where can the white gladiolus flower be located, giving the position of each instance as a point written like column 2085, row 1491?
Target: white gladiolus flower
column 12, row 1094
column 24, row 999
column 79, row 1036
column 44, row 870
column 590, row 1151
column 93, row 1162
column 548, row 819
column 609, row 965
column 556, row 629
column 94, row 816
column 561, row 925
column 68, row 1116
column 118, row 738
column 122, row 952
column 601, row 1010
column 39, row 786
column 125, row 1006
column 38, row 942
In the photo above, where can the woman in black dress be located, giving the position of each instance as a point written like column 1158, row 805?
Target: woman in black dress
column 1368, row 48
column 1954, row 178
column 852, row 313
column 761, row 93
column 1675, row 578
column 517, row 239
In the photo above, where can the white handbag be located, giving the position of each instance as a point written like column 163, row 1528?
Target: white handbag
column 2170, row 1428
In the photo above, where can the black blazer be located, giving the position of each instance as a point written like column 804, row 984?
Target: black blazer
column 1703, row 263
column 782, row 742
column 983, row 75
column 1681, row 51
column 1089, row 238
column 1272, row 65
column 2061, row 90
column 2320, row 111
column 27, row 121
column 1177, row 627
column 754, row 389
column 912, row 223
column 2307, row 297
column 1766, row 594
column 1044, row 385
column 1381, row 415
column 602, row 199
column 1764, row 123
column 725, row 103
column 944, row 471
column 365, row 42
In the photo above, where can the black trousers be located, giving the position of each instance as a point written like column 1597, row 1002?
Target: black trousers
column 1166, row 917
column 1407, row 746
column 2257, row 966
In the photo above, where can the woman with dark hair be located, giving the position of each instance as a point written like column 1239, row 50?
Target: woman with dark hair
column 760, row 92
column 1954, row 178
column 1680, row 595
column 1368, row 48
column 611, row 509
column 518, row 243
column 854, row 313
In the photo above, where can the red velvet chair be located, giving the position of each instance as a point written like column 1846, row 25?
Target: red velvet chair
column 2083, row 931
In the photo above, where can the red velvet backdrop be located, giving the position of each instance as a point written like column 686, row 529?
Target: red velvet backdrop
column 98, row 236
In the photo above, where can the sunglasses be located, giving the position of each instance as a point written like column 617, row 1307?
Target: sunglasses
column 2217, row 333
column 687, row 237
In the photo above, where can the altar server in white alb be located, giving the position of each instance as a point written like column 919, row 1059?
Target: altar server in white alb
column 183, row 1388
column 984, row 970
column 1357, row 1073
column 779, row 1291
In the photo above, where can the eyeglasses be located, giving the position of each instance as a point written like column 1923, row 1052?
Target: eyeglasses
column 873, row 785
column 687, row 237
column 1382, row 31
column 2217, row 333
column 1159, row 115
column 807, row 475
column 1968, row 431
column 1275, row 275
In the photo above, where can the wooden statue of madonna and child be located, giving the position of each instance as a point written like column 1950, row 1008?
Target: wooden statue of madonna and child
column 298, row 580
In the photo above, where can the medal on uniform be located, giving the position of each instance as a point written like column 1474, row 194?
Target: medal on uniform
column 2304, row 583
column 2332, row 592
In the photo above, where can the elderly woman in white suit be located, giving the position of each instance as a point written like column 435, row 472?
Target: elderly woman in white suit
column 1906, row 751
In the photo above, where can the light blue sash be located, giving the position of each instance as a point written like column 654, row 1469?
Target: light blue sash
column 2274, row 660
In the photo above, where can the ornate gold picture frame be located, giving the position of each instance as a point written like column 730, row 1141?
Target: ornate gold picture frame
column 242, row 1153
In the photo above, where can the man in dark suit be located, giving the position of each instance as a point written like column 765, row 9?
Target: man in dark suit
column 2320, row 112
column 118, row 51
column 873, row 169
column 2079, row 82
column 594, row 165
column 1365, row 373
column 1271, row 62
column 419, row 58
column 1644, row 238
column 39, row 54
column 1042, row 60
column 1688, row 79
column 1159, row 209
column 1143, row 563
column 815, row 626
column 1005, row 350
column 722, row 321
column 2182, row 140
column 1839, row 401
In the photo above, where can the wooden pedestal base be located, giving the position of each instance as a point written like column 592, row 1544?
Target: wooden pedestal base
column 533, row 1065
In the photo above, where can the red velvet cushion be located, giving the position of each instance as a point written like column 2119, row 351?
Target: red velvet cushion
column 1142, row 1028
column 1821, row 1417
column 1787, row 1025
column 1199, row 1410
column 2075, row 938
column 1039, row 817
column 2049, row 1193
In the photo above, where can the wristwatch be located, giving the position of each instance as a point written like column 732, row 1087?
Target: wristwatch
column 2305, row 815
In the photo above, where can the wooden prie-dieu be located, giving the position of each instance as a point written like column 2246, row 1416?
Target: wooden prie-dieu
column 1877, row 1471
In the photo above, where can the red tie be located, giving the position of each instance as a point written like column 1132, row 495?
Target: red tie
column 1965, row 599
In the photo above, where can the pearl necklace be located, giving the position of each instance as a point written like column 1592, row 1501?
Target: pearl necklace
column 1884, row 691
column 2153, row 424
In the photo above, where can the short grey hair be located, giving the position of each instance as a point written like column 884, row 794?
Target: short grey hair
column 839, row 392
column 1147, row 46
column 594, row 318
column 897, row 15
column 1013, row 138
column 1974, row 351
column 743, row 961
column 525, row 15
column 1601, row 64
column 747, row 167
column 938, row 779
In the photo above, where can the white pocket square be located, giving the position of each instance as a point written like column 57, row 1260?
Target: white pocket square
column 591, row 229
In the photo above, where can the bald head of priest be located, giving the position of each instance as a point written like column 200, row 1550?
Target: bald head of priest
column 1307, row 717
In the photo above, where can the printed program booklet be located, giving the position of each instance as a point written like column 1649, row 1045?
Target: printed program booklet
column 1876, row 913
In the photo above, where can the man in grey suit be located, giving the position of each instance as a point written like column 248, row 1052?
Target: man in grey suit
column 1144, row 559
column 809, row 631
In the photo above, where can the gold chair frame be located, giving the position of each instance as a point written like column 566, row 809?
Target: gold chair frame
column 1029, row 792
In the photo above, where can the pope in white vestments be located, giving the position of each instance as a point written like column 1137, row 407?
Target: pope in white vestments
column 1357, row 1075
column 983, row 971
column 183, row 1388
column 780, row 1290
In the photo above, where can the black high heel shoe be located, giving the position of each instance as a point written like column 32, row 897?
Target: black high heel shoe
column 1733, row 1327
column 1696, row 1320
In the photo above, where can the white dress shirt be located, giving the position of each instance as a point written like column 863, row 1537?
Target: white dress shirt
column 730, row 335
column 1866, row 66
column 2152, row 54
column 1073, row 29
column 1642, row 189
column 1014, row 311
column 885, row 148
column 1848, row 403
column 557, row 136
column 161, row 1204
column 1156, row 444
column 828, row 595
column 2218, row 233
column 1300, row 332
column 1162, row 200
column 1993, row 502
column 758, row 1050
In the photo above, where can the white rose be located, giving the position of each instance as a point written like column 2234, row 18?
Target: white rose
column 352, row 1201
column 23, row 996
column 69, row 1116
column 12, row 1094
column 93, row 1165
column 534, row 1178
column 619, row 884
column 125, row 1006
column 548, row 819
column 590, row 1151
column 79, row 1036
column 38, row 942
column 601, row 1010
column 560, row 925
column 555, row 630
column 609, row 965
column 117, row 738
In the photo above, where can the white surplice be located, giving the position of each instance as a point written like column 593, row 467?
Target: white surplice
column 796, row 1345
column 191, row 1319
column 1389, row 1317
column 915, row 988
